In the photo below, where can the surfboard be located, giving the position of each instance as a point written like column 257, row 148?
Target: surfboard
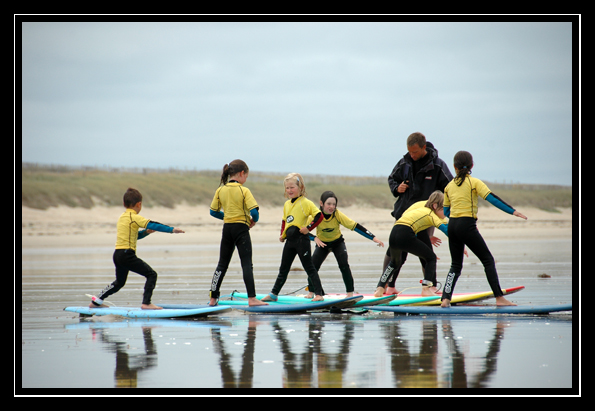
column 367, row 300
column 476, row 309
column 398, row 300
column 137, row 312
column 457, row 297
column 306, row 306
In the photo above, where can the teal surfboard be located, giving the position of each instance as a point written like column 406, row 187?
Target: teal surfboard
column 477, row 309
column 280, row 308
column 137, row 312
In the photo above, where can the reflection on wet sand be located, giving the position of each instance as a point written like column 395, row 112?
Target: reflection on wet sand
column 320, row 351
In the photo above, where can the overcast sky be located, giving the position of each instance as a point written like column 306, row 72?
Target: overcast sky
column 315, row 98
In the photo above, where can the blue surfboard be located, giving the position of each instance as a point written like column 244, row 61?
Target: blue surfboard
column 477, row 309
column 280, row 308
column 137, row 312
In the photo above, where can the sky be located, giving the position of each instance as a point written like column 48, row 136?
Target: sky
column 336, row 98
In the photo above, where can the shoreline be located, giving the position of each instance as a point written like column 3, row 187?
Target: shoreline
column 79, row 227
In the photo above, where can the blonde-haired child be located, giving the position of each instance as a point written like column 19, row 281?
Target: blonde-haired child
column 403, row 238
column 295, row 233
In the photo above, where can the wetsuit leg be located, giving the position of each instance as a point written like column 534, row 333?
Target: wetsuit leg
column 126, row 261
column 340, row 251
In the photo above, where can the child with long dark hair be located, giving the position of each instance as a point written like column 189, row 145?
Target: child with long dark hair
column 240, row 213
column 460, row 205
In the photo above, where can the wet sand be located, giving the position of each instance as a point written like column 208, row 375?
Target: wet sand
column 66, row 253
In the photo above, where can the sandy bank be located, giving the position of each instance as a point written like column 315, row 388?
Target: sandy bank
column 65, row 226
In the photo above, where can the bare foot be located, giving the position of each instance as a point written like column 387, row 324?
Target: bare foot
column 213, row 302
column 503, row 301
column 391, row 291
column 267, row 298
column 318, row 298
column 445, row 303
column 97, row 306
column 253, row 302
column 151, row 307
column 379, row 292
column 349, row 295
column 309, row 295
column 427, row 291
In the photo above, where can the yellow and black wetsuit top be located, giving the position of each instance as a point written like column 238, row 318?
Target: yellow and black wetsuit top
column 297, row 212
column 420, row 219
column 237, row 202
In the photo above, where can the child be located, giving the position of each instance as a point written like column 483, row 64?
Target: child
column 460, row 205
column 329, row 238
column 125, row 258
column 240, row 213
column 403, row 238
column 424, row 236
column 296, row 212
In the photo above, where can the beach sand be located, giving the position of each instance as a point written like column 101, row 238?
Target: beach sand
column 71, row 227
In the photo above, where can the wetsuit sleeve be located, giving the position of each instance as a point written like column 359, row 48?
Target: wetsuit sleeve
column 317, row 220
column 444, row 228
column 446, row 211
column 498, row 203
column 142, row 234
column 254, row 214
column 217, row 214
column 153, row 225
column 363, row 231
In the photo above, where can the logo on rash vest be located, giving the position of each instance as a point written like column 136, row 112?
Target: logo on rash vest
column 290, row 219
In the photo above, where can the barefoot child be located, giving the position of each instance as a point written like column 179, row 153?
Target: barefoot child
column 125, row 258
column 329, row 238
column 403, row 238
column 240, row 213
column 428, row 238
column 460, row 205
column 294, row 232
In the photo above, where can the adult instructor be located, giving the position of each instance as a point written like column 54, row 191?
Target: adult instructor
column 417, row 175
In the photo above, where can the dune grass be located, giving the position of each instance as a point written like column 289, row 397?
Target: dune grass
column 51, row 186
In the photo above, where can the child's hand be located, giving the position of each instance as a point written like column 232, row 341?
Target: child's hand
column 177, row 231
column 281, row 239
column 377, row 241
column 319, row 242
column 149, row 231
column 517, row 214
column 304, row 230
